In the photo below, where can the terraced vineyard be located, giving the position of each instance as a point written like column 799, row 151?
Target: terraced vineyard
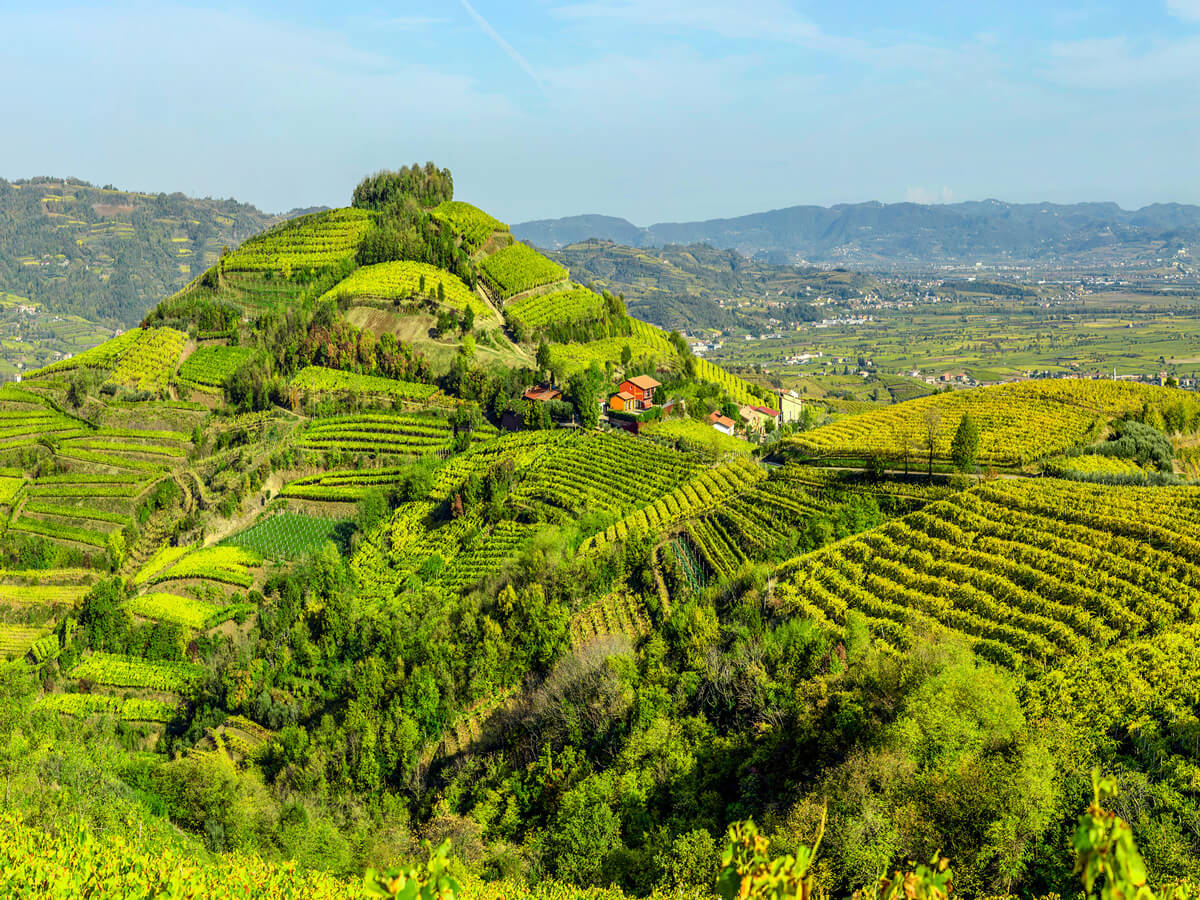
column 15, row 640
column 102, row 356
column 610, row 471
column 132, row 709
column 647, row 352
column 210, row 366
column 321, row 380
column 113, row 670
column 519, row 268
column 578, row 304
column 151, row 361
column 694, row 497
column 1030, row 572
column 755, row 522
column 224, row 565
column 619, row 613
column 737, row 389
column 175, row 609
column 405, row 280
column 308, row 242
column 400, row 434
column 470, row 222
column 1094, row 464
column 486, row 555
column 1018, row 422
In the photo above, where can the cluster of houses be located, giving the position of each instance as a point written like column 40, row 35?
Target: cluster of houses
column 634, row 397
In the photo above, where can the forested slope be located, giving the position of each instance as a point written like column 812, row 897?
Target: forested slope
column 109, row 255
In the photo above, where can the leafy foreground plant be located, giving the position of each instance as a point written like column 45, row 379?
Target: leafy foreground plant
column 35, row 865
column 1106, row 853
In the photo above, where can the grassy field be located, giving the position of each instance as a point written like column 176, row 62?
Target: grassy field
column 993, row 340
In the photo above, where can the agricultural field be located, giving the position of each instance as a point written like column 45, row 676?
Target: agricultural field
column 991, row 338
column 175, row 609
column 317, row 379
column 132, row 709
column 1018, row 423
column 738, row 389
column 695, row 497
column 151, row 361
column 408, row 281
column 559, row 634
column 309, row 242
column 222, row 564
column 212, row 365
column 611, row 471
column 572, row 358
column 1093, row 464
column 287, row 536
column 117, row 671
column 519, row 268
column 16, row 640
column 577, row 304
column 472, row 223
column 1032, row 573
column 693, row 435
column 379, row 433
column 102, row 356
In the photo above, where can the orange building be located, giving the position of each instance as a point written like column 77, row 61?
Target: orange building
column 622, row 401
column 640, row 389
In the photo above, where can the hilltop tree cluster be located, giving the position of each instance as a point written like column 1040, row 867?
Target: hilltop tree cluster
column 427, row 184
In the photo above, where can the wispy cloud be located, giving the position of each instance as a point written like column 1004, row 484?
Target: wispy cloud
column 1117, row 63
column 1187, row 10
column 409, row 22
column 504, row 45
column 752, row 20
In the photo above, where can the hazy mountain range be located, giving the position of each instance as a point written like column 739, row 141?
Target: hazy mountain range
column 907, row 234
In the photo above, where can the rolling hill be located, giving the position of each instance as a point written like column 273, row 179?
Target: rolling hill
column 108, row 255
column 910, row 235
column 334, row 558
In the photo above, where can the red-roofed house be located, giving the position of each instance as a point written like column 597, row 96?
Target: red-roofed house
column 542, row 393
column 723, row 424
column 641, row 388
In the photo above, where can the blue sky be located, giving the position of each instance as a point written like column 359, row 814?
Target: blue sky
column 656, row 110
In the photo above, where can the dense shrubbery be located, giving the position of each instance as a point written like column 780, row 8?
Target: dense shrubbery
column 428, row 184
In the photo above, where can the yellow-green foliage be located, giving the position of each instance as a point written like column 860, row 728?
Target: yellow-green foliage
column 737, row 389
column 690, row 434
column 131, row 672
column 320, row 379
column 309, row 242
column 1037, row 570
column 402, row 280
column 1095, row 464
column 162, row 607
column 225, row 564
column 520, row 268
column 471, row 222
column 151, row 361
column 9, row 487
column 560, row 307
column 161, row 558
column 38, row 866
column 573, row 357
column 133, row 709
column 213, row 364
column 1017, row 422
column 102, row 356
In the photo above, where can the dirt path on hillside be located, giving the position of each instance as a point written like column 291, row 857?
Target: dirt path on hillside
column 218, row 529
